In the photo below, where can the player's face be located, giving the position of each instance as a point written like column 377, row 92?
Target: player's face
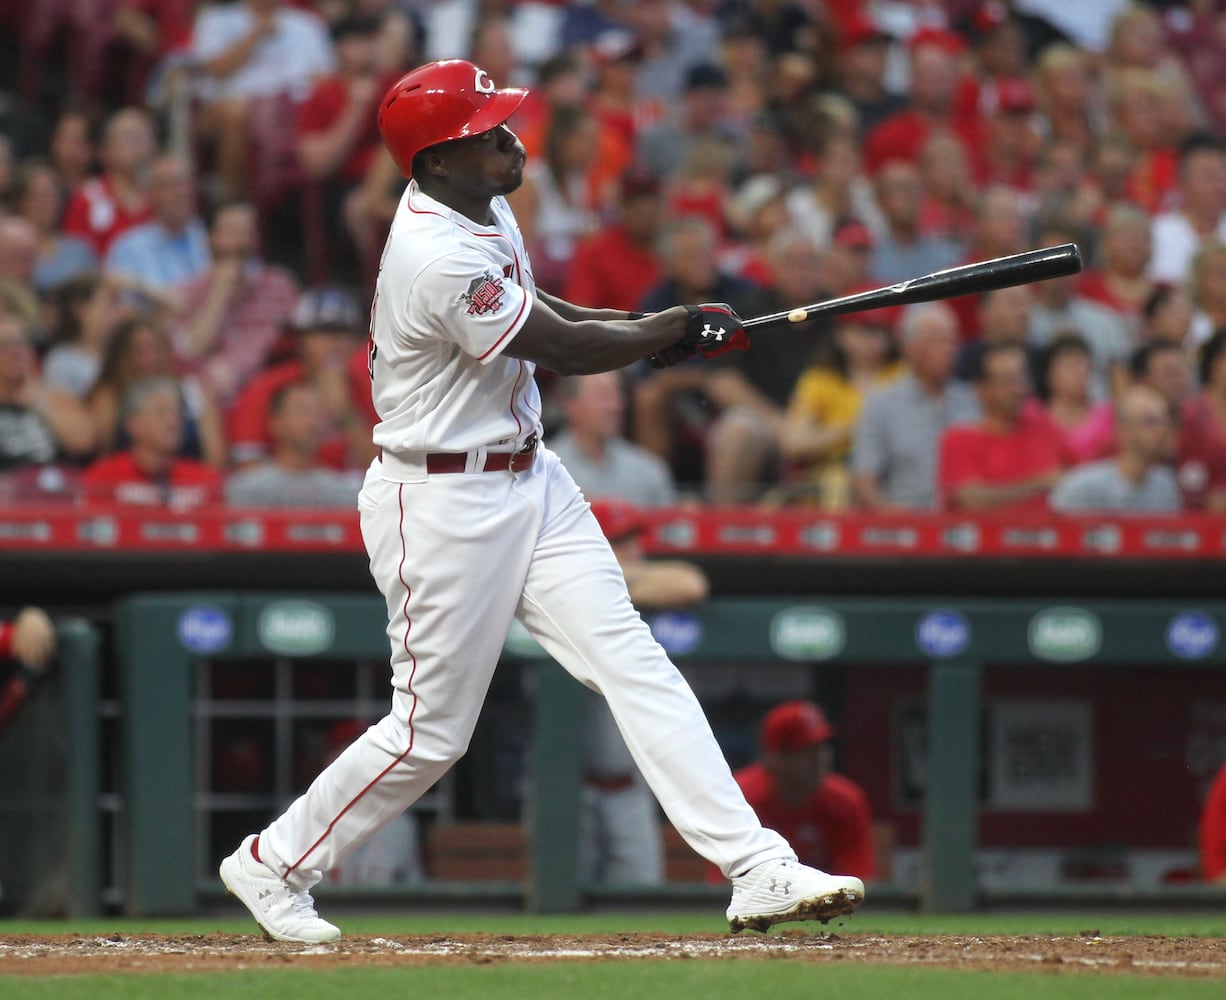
column 486, row 165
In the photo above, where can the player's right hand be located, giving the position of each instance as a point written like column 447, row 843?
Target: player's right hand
column 712, row 328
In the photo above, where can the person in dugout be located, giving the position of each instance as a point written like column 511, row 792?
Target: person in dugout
column 794, row 790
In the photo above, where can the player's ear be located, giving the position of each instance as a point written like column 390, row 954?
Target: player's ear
column 435, row 165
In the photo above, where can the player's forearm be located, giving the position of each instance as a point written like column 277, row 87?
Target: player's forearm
column 591, row 346
column 574, row 313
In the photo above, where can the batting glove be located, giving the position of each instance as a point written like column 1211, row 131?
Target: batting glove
column 712, row 328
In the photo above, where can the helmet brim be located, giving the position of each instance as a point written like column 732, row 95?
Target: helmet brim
column 501, row 105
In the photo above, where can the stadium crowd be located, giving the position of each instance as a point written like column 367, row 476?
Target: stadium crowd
column 193, row 199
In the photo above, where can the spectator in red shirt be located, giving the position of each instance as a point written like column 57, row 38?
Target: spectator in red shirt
column 337, row 127
column 327, row 323
column 105, row 206
column 1213, row 831
column 150, row 472
column 1013, row 456
column 1000, row 230
column 934, row 80
column 233, row 314
column 794, row 789
column 1010, row 141
column 617, row 266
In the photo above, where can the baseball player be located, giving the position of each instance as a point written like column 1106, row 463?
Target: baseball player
column 470, row 521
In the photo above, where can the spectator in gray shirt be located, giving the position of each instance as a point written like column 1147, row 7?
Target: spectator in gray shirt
column 894, row 448
column 594, row 450
column 1138, row 478
column 292, row 477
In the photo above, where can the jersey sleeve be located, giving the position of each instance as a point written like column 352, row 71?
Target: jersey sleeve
column 465, row 298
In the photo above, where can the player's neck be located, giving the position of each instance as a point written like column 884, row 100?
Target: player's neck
column 474, row 209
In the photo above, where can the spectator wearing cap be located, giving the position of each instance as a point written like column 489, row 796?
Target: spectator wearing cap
column 861, row 60
column 150, row 472
column 935, row 72
column 1010, row 142
column 615, row 267
column 896, row 436
column 172, row 248
column 702, row 115
column 327, row 327
column 816, row 436
column 794, row 789
column 902, row 249
column 839, row 191
column 594, row 449
column 619, row 829
column 337, row 131
column 233, row 313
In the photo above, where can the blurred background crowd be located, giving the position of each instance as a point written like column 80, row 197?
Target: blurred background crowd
column 193, row 199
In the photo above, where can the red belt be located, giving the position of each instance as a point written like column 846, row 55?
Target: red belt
column 457, row 461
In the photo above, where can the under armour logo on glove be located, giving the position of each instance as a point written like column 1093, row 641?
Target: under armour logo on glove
column 712, row 328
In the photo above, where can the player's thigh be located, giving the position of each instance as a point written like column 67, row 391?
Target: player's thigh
column 449, row 554
column 575, row 601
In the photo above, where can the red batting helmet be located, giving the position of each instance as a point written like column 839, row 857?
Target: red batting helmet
column 451, row 99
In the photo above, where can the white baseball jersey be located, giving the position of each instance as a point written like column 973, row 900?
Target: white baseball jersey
column 451, row 295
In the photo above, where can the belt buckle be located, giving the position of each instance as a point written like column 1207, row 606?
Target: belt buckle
column 522, row 459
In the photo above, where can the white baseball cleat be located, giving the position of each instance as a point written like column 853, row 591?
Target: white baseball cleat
column 284, row 913
column 780, row 890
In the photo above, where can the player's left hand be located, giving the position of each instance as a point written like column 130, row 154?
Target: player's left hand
column 712, row 328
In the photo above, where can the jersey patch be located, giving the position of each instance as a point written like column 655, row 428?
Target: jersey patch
column 484, row 295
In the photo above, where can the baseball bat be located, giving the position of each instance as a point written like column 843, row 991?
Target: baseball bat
column 967, row 279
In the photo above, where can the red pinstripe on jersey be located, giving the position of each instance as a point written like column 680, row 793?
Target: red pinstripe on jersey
column 408, row 627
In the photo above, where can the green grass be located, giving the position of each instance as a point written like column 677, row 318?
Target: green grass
column 637, row 980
